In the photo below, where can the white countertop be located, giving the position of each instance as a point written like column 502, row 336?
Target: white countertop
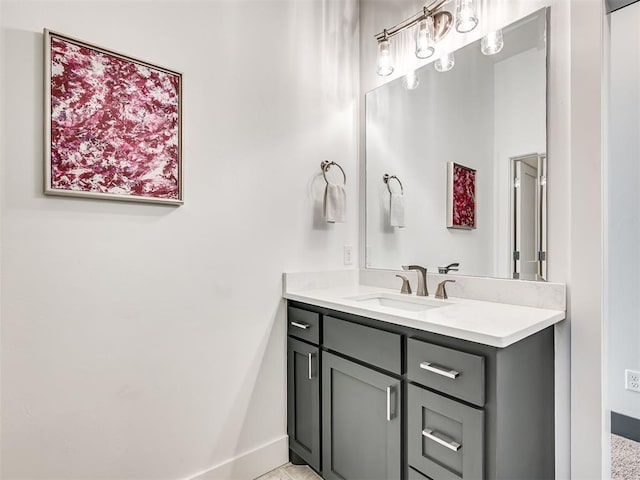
column 489, row 323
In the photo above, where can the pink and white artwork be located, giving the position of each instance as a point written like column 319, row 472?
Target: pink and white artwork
column 113, row 125
column 461, row 197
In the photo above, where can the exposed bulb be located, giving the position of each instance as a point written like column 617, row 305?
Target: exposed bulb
column 410, row 81
column 444, row 63
column 492, row 43
column 424, row 38
column 466, row 16
column 384, row 64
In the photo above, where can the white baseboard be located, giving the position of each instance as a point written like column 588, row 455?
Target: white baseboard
column 250, row 465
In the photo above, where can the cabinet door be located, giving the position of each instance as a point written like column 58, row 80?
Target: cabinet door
column 303, row 401
column 446, row 437
column 361, row 424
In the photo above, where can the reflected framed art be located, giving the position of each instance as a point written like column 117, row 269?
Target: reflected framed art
column 461, row 196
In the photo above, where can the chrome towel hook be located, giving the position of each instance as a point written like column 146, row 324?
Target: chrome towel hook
column 386, row 178
column 326, row 165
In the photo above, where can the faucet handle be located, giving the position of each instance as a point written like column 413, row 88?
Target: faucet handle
column 452, row 267
column 406, row 286
column 441, row 291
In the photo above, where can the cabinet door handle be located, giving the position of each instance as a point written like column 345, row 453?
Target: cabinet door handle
column 389, row 404
column 437, row 437
column 439, row 370
column 311, row 366
column 303, row 326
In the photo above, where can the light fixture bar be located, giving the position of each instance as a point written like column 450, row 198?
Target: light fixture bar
column 411, row 21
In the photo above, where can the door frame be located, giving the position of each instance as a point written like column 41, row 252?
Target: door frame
column 541, row 213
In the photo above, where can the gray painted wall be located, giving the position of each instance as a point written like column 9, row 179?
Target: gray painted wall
column 623, row 256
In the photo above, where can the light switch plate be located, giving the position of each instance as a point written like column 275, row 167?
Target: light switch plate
column 348, row 255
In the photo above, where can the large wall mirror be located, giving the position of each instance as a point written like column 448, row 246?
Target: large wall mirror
column 456, row 167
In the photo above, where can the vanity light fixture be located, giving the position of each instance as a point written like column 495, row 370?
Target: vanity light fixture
column 411, row 80
column 424, row 38
column 444, row 63
column 492, row 43
column 384, row 62
column 466, row 16
column 432, row 23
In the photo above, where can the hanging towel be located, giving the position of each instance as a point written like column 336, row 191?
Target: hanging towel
column 335, row 203
column 396, row 210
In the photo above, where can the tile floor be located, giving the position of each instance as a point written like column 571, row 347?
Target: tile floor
column 290, row 472
column 625, row 464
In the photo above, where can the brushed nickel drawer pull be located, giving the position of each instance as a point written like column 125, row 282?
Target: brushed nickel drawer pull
column 436, row 437
column 388, row 404
column 439, row 370
column 303, row 326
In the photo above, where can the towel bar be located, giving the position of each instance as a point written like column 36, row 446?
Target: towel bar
column 386, row 178
column 326, row 165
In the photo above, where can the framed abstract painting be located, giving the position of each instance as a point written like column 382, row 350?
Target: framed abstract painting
column 461, row 196
column 113, row 124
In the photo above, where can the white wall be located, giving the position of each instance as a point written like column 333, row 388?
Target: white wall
column 623, row 220
column 584, row 184
column 145, row 341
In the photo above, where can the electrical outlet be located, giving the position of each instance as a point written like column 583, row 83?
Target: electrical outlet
column 348, row 255
column 632, row 380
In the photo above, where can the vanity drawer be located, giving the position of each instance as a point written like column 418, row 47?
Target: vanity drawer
column 303, row 324
column 370, row 345
column 445, row 437
column 450, row 371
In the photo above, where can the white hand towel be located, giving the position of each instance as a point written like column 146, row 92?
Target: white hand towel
column 396, row 210
column 335, row 203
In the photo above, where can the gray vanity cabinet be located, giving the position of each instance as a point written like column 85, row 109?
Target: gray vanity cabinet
column 361, row 422
column 361, row 405
column 390, row 402
column 445, row 436
column 303, row 386
column 303, row 407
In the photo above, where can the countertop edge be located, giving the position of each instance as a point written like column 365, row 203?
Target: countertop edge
column 555, row 316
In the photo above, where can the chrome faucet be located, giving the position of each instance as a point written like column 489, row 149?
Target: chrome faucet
column 441, row 291
column 422, row 279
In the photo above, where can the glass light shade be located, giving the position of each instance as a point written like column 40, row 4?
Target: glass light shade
column 410, row 81
column 466, row 16
column 424, row 38
column 444, row 63
column 384, row 64
column 492, row 43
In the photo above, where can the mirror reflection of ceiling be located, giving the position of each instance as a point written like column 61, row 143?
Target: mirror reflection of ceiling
column 481, row 114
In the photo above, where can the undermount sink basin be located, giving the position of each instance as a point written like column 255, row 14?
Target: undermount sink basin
column 398, row 302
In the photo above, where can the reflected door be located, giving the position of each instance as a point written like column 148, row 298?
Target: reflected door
column 528, row 217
